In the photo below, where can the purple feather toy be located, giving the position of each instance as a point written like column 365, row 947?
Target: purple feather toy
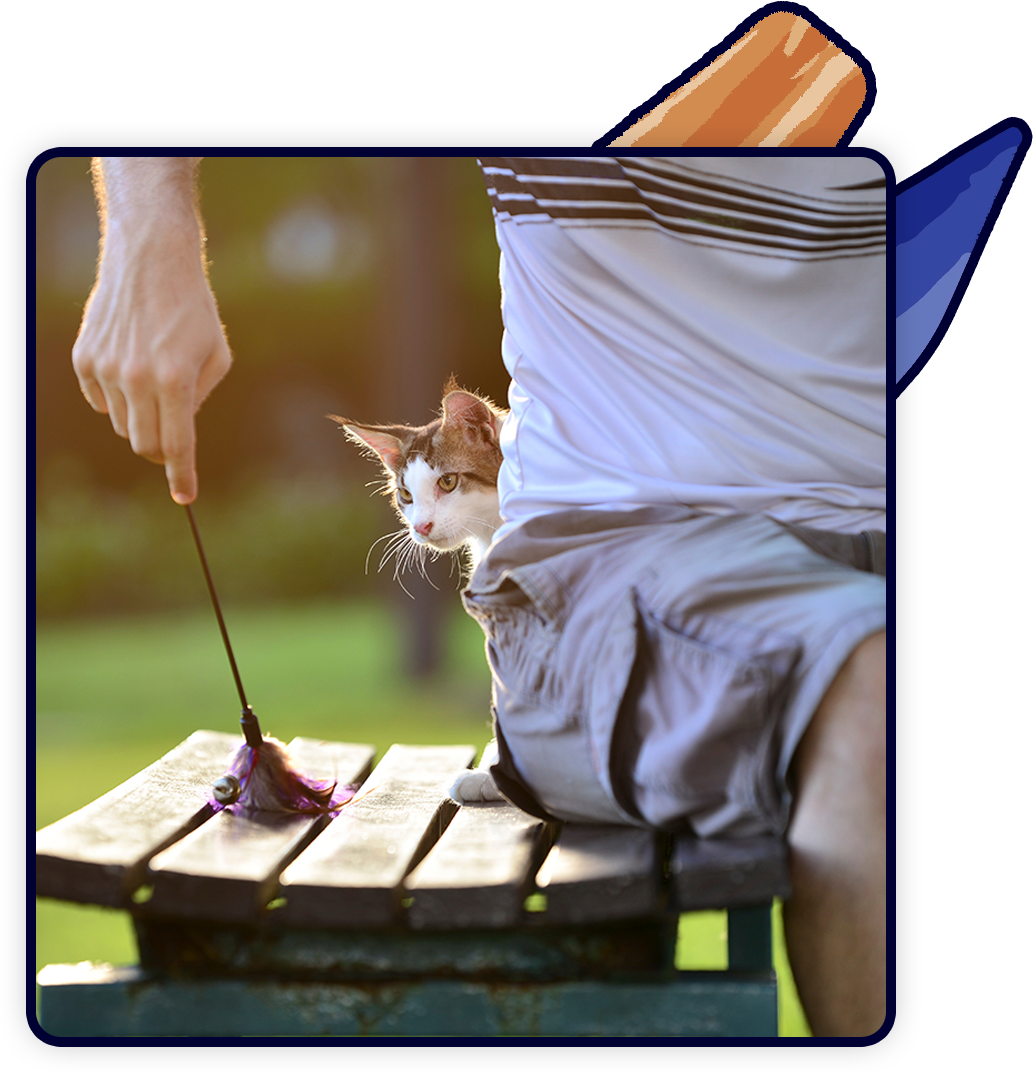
column 261, row 776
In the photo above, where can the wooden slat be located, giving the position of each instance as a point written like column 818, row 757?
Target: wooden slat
column 227, row 870
column 597, row 873
column 480, row 871
column 351, row 876
column 707, row 874
column 98, row 854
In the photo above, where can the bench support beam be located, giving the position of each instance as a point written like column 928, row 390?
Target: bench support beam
column 89, row 1001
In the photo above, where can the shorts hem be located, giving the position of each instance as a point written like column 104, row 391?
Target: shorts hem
column 816, row 684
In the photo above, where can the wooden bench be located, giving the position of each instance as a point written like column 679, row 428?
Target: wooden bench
column 405, row 915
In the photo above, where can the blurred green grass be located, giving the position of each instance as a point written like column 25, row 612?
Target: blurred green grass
column 113, row 694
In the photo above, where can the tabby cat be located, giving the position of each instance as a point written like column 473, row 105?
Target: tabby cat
column 443, row 477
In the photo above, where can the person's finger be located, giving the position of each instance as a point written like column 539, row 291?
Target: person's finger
column 82, row 363
column 93, row 394
column 179, row 433
column 181, row 475
column 144, row 429
column 117, row 410
column 179, row 445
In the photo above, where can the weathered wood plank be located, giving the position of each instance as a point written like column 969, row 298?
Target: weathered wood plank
column 597, row 873
column 480, row 871
column 99, row 853
column 710, row 874
column 227, row 870
column 351, row 875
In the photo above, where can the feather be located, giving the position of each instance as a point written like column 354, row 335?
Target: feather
column 263, row 778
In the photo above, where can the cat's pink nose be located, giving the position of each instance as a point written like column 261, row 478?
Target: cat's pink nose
column 424, row 528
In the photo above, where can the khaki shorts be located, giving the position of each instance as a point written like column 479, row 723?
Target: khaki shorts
column 658, row 667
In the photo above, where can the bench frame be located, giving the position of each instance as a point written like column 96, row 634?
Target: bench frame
column 408, row 916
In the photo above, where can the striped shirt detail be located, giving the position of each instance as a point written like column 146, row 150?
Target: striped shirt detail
column 690, row 203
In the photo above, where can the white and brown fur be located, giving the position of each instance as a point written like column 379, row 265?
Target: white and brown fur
column 442, row 476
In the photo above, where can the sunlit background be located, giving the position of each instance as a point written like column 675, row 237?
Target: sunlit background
column 347, row 285
column 354, row 286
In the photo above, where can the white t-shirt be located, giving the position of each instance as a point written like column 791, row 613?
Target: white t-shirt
column 696, row 330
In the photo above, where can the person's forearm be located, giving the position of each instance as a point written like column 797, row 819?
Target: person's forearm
column 151, row 345
column 149, row 204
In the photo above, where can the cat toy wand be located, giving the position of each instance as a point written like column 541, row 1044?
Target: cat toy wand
column 261, row 775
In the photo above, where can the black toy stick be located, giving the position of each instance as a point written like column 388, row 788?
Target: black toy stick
column 248, row 719
column 261, row 775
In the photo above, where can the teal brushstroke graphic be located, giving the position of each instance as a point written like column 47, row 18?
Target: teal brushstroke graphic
column 630, row 76
column 945, row 214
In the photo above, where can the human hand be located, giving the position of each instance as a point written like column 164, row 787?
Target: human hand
column 151, row 346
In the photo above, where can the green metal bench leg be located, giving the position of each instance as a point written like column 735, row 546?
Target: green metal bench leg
column 749, row 938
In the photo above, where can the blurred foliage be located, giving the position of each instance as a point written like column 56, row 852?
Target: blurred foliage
column 103, row 552
column 351, row 285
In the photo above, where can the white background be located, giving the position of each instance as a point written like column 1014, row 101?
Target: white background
column 562, row 73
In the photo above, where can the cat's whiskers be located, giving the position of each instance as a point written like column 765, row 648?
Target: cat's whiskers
column 399, row 547
column 408, row 555
column 369, row 554
column 383, row 487
column 442, row 477
column 397, row 543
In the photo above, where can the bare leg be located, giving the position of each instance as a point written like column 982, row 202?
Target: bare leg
column 835, row 922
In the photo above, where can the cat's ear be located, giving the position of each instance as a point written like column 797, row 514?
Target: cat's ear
column 463, row 408
column 382, row 442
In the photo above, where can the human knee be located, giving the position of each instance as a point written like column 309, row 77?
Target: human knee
column 840, row 766
column 852, row 714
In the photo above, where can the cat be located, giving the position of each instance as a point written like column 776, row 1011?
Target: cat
column 443, row 477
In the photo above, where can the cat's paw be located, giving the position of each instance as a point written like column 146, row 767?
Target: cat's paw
column 471, row 786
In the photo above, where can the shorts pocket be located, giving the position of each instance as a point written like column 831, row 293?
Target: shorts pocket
column 696, row 730
column 557, row 670
column 558, row 683
column 521, row 644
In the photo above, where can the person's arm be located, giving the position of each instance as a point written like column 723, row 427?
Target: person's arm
column 151, row 346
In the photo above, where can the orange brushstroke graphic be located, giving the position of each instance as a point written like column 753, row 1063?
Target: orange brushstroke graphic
column 781, row 84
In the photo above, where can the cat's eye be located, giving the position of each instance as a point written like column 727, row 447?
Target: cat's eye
column 404, row 494
column 448, row 482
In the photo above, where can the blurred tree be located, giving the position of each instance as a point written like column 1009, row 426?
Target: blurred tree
column 420, row 309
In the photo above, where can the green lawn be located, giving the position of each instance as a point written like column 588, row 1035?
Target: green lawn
column 112, row 695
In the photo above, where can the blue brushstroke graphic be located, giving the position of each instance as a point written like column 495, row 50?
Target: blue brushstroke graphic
column 945, row 214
